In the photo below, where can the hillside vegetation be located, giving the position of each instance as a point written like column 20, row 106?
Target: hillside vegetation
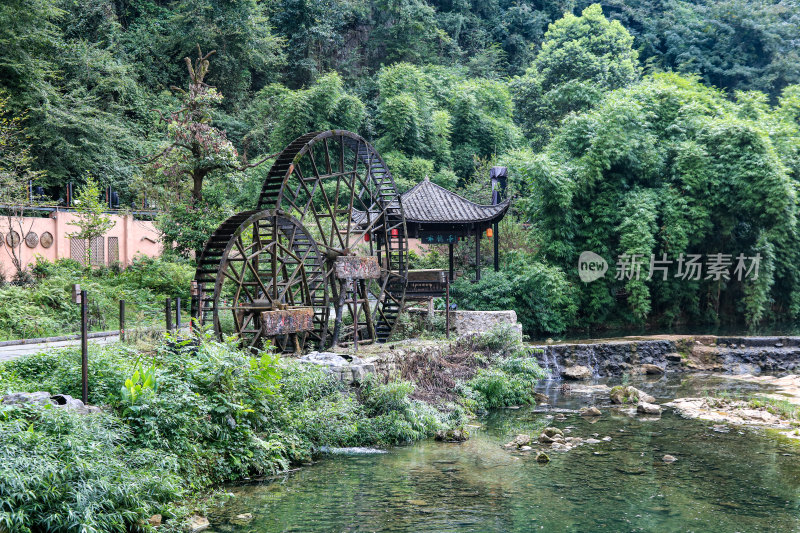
column 645, row 127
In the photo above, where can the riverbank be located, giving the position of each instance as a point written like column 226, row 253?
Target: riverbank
column 172, row 421
column 197, row 417
column 621, row 483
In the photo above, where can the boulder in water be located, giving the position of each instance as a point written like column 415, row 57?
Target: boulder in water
column 648, row 408
column 542, row 458
column 669, row 458
column 591, row 411
column 452, row 435
column 651, row 369
column 622, row 394
column 552, row 432
column 577, row 372
column 519, row 441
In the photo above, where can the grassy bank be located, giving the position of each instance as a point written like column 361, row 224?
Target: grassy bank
column 39, row 303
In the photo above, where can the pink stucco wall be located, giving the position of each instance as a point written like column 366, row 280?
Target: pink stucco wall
column 135, row 237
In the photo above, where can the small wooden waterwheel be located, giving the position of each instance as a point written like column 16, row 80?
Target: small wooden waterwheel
column 258, row 277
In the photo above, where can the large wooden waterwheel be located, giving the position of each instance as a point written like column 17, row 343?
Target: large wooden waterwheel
column 353, row 276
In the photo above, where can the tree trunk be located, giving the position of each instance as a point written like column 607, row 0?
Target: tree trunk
column 197, row 186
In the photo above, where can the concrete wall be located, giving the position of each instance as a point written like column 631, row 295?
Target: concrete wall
column 135, row 237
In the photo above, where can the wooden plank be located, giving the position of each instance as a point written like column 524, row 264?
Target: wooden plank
column 283, row 321
column 356, row 267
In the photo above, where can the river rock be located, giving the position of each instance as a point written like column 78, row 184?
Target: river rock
column 519, row 441
column 591, row 411
column 542, row 458
column 551, row 435
column 621, row 394
column 525, row 448
column 552, row 431
column 541, row 399
column 577, row 372
column 198, row 523
column 154, row 520
column 648, row 408
column 453, row 435
column 651, row 369
column 669, row 458
column 328, row 359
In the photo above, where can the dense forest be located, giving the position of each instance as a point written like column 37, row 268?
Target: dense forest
column 642, row 127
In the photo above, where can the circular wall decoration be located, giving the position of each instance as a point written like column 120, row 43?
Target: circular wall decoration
column 12, row 239
column 31, row 239
column 46, row 240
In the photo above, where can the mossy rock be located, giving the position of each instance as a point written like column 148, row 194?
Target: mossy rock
column 552, row 432
column 453, row 435
column 542, row 458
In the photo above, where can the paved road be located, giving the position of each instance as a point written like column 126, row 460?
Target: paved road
column 12, row 352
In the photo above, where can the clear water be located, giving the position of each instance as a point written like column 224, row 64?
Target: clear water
column 742, row 480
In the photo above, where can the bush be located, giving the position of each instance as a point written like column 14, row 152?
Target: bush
column 503, row 339
column 545, row 302
column 60, row 471
column 45, row 308
column 510, row 381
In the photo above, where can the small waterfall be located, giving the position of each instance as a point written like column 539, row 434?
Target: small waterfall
column 594, row 365
column 551, row 365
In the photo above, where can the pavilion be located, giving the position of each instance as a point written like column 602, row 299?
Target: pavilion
column 436, row 215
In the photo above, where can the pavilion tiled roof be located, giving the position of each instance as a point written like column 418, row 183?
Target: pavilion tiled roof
column 427, row 202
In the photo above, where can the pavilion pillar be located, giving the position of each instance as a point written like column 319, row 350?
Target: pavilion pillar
column 450, row 261
column 496, row 236
column 477, row 253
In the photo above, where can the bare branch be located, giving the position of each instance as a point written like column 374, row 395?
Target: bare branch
column 261, row 161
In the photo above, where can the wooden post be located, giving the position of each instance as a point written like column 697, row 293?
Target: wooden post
column 447, row 309
column 168, row 313
column 178, row 313
column 84, row 347
column 355, row 315
column 122, row 320
column 477, row 254
column 337, row 323
column 496, row 248
column 193, row 307
column 450, row 261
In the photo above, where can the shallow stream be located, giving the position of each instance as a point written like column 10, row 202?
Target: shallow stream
column 736, row 480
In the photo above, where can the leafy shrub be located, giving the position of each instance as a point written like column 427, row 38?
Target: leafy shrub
column 217, row 415
column 45, row 308
column 503, row 338
column 160, row 276
column 510, row 381
column 60, row 471
column 545, row 302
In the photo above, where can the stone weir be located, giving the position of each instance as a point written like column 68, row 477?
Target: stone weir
column 670, row 353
